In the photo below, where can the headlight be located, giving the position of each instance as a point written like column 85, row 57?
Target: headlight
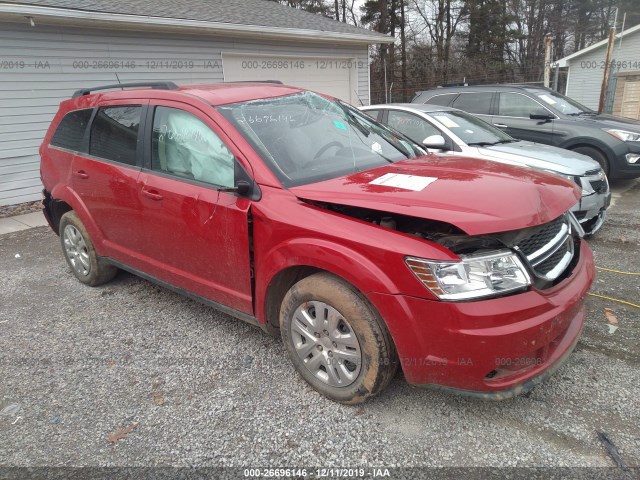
column 624, row 135
column 587, row 186
column 475, row 276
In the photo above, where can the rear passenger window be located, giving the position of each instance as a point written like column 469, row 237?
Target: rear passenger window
column 442, row 100
column 476, row 102
column 114, row 133
column 186, row 147
column 70, row 131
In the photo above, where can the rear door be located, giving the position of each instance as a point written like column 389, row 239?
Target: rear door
column 105, row 178
column 513, row 110
column 197, row 236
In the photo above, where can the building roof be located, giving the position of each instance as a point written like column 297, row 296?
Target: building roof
column 564, row 62
column 248, row 17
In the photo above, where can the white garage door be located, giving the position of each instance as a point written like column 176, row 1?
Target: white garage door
column 334, row 76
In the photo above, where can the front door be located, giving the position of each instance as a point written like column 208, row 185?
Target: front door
column 512, row 117
column 197, row 235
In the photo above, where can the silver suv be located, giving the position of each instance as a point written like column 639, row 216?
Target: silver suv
column 454, row 132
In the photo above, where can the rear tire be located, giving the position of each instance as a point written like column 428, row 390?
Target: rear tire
column 336, row 340
column 597, row 155
column 80, row 254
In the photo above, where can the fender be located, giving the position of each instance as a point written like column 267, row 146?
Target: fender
column 589, row 142
column 351, row 265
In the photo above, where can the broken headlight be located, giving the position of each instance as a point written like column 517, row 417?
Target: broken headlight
column 474, row 276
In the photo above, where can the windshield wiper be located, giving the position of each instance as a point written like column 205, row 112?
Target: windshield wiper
column 481, row 144
column 354, row 121
column 489, row 144
column 583, row 112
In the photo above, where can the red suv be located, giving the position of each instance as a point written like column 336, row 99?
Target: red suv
column 296, row 212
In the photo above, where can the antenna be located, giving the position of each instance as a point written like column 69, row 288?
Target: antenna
column 359, row 99
column 118, row 78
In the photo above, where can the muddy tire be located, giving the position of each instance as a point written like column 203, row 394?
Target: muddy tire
column 336, row 340
column 80, row 254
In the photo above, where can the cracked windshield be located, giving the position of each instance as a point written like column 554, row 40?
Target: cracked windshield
column 306, row 138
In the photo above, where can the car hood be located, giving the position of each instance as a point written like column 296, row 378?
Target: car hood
column 477, row 196
column 604, row 120
column 543, row 157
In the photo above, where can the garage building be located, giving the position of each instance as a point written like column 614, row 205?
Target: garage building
column 586, row 70
column 50, row 48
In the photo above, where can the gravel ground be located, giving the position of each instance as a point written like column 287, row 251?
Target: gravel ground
column 19, row 209
column 130, row 374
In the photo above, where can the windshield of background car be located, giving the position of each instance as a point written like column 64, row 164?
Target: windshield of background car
column 306, row 138
column 471, row 130
column 560, row 103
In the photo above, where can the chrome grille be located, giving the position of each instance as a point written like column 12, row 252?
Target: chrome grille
column 549, row 249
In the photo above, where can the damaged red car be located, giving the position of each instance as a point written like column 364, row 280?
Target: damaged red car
column 297, row 213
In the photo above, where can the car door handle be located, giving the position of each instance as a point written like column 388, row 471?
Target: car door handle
column 81, row 174
column 500, row 125
column 152, row 194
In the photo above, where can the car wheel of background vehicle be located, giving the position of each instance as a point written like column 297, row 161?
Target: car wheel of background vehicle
column 336, row 340
column 597, row 155
column 80, row 254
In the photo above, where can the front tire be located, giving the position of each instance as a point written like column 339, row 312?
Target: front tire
column 597, row 155
column 336, row 340
column 80, row 254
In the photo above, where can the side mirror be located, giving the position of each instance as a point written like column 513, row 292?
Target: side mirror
column 436, row 142
column 541, row 114
column 242, row 188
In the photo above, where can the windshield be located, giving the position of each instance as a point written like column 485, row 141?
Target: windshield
column 561, row 103
column 306, row 138
column 471, row 130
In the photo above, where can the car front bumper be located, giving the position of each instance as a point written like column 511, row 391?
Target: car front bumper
column 623, row 168
column 494, row 348
column 591, row 211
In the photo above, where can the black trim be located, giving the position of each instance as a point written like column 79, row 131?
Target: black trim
column 152, row 85
column 245, row 317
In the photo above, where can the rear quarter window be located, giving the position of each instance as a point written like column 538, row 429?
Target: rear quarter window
column 71, row 129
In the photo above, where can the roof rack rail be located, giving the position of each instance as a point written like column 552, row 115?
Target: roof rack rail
column 278, row 82
column 153, row 85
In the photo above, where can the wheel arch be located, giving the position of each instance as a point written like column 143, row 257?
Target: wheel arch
column 297, row 260
column 65, row 199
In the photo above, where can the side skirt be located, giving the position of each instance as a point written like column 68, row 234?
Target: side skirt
column 218, row 306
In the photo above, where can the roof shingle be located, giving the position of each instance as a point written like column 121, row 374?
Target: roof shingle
column 234, row 12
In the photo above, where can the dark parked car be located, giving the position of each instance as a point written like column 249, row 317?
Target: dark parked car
column 542, row 115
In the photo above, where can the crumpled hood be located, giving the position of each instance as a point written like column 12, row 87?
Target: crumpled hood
column 538, row 155
column 477, row 196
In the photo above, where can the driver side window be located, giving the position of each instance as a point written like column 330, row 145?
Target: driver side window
column 186, row 147
column 516, row 105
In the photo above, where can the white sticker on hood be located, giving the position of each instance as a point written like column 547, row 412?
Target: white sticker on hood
column 407, row 182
